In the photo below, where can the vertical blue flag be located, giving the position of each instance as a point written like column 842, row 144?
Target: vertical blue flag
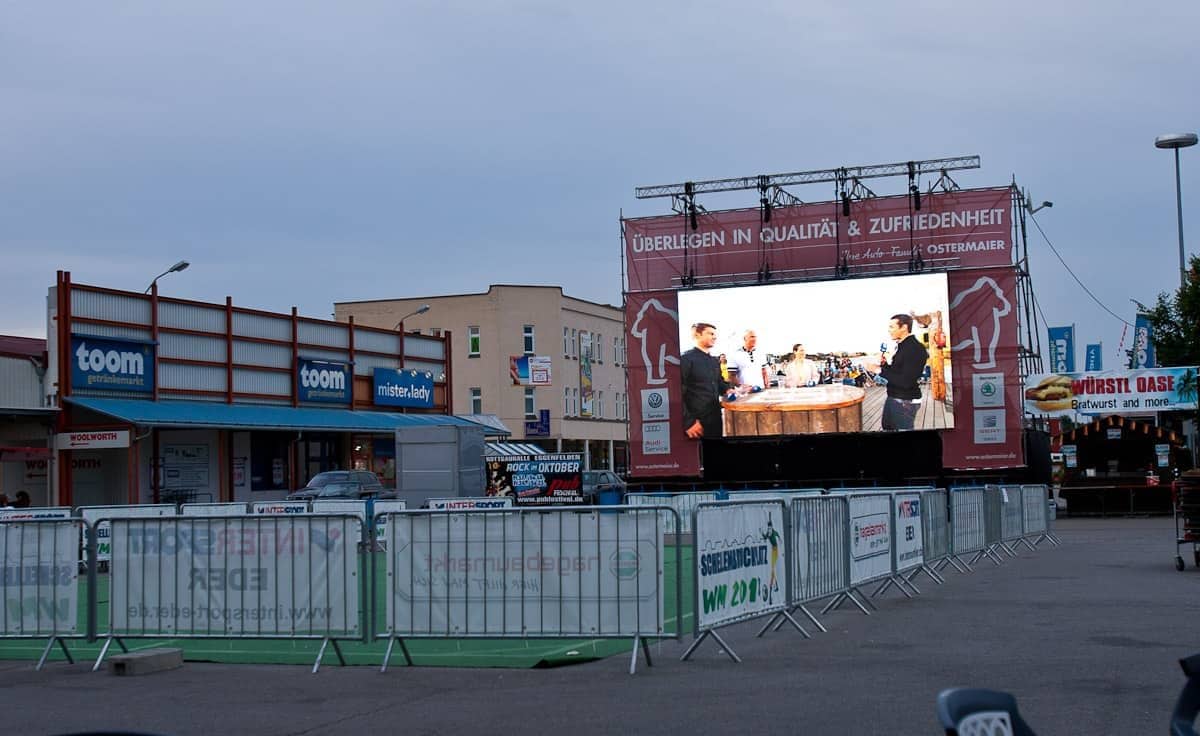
column 1092, row 359
column 1143, row 343
column 1062, row 349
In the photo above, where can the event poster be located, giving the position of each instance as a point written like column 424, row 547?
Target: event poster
column 537, row 480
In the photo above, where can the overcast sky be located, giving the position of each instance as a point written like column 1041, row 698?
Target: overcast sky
column 305, row 153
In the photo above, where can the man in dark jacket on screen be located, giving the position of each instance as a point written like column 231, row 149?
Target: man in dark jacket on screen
column 701, row 385
column 902, row 373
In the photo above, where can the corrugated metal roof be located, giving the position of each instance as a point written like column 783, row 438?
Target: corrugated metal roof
column 497, row 449
column 22, row 346
column 243, row 416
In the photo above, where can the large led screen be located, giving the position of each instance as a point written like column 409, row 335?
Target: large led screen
column 861, row 355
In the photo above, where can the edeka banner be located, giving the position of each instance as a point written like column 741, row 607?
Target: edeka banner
column 1112, row 392
column 870, row 537
column 960, row 229
column 39, row 582
column 263, row 576
column 986, row 372
column 100, row 363
column 523, row 574
column 394, row 387
column 1062, row 348
column 910, row 543
column 741, row 562
column 658, row 445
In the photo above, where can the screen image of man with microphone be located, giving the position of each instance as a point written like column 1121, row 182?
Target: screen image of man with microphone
column 903, row 373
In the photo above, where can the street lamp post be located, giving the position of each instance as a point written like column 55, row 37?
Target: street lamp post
column 180, row 266
column 400, row 326
column 1177, row 141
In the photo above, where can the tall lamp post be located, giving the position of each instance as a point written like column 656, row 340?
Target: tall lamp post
column 400, row 327
column 182, row 265
column 1177, row 141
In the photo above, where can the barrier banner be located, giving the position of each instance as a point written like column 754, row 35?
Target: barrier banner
column 213, row 509
column 255, row 576
column 91, row 514
column 469, row 504
column 39, row 575
column 35, row 513
column 870, row 537
column 381, row 509
column 489, row 574
column 741, row 562
column 910, row 543
column 272, row 508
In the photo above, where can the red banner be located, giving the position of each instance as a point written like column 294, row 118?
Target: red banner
column 658, row 445
column 988, row 396
column 952, row 230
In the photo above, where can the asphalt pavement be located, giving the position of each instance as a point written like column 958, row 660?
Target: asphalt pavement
column 1086, row 636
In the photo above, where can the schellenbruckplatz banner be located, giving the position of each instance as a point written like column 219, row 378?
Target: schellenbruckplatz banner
column 39, row 580
column 256, row 576
column 1112, row 392
column 516, row 574
column 741, row 562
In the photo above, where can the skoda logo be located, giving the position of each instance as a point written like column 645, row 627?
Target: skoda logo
column 624, row 563
column 655, row 400
column 988, row 389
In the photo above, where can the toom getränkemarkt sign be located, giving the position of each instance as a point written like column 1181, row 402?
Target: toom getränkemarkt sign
column 536, row 480
column 100, row 363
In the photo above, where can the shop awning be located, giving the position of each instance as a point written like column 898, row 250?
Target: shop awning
column 497, row 449
column 490, row 422
column 211, row 415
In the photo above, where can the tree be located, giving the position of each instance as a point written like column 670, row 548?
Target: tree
column 1176, row 321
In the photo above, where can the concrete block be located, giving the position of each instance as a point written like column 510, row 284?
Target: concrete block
column 146, row 661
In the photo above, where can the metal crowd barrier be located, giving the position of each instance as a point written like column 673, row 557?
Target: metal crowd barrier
column 908, row 543
column 1012, row 527
column 1037, row 515
column 595, row 572
column 820, row 536
column 935, row 534
column 870, row 530
column 260, row 577
column 743, row 557
column 684, row 503
column 993, row 525
column 39, row 582
column 967, row 534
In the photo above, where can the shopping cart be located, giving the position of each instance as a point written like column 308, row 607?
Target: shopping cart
column 1185, row 497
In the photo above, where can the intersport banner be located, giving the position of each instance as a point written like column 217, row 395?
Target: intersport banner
column 984, row 367
column 254, row 576
column 960, row 229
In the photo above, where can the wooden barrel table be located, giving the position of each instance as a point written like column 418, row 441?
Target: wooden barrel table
column 784, row 411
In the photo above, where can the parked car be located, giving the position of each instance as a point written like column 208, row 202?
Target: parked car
column 339, row 484
column 595, row 481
